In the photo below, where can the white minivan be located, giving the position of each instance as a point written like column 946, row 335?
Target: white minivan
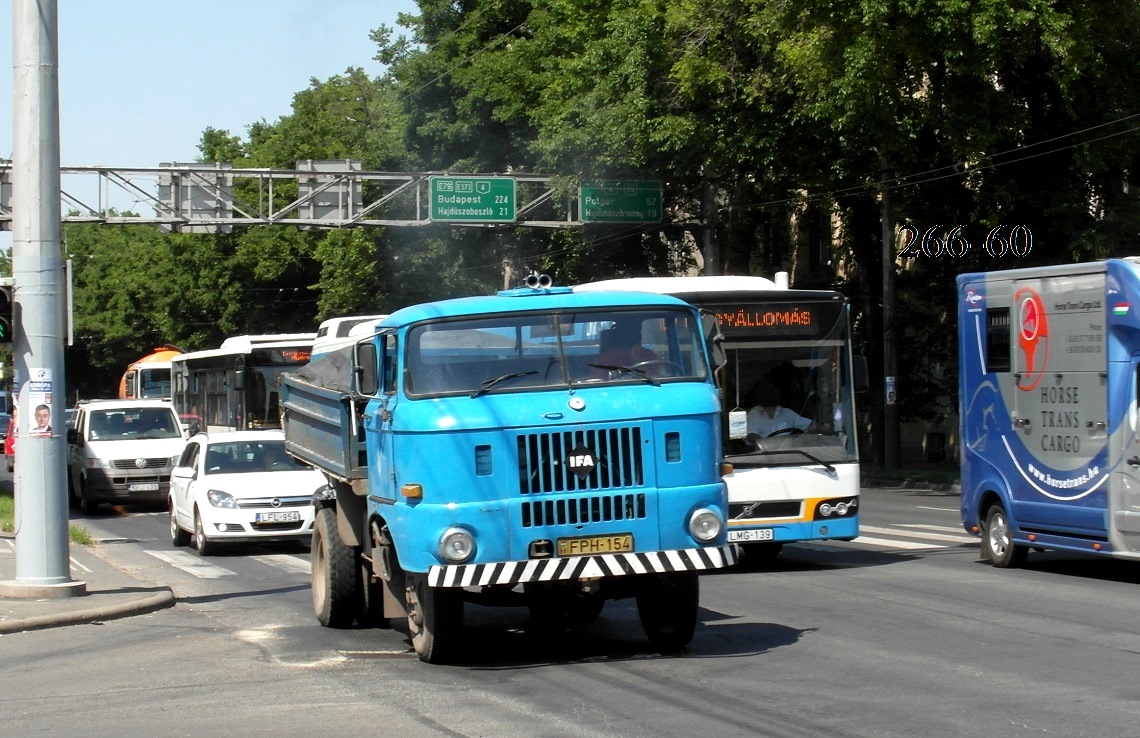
column 122, row 451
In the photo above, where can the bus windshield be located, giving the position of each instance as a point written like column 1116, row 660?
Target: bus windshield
column 788, row 393
column 529, row 351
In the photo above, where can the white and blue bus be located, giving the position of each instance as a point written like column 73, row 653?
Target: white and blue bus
column 795, row 478
column 234, row 387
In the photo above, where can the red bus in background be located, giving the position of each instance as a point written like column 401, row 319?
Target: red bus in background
column 149, row 377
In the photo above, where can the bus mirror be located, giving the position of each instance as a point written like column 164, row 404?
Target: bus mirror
column 859, row 373
column 714, row 338
column 367, row 378
column 239, row 380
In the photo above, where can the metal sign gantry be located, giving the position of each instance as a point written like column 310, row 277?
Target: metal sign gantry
column 215, row 197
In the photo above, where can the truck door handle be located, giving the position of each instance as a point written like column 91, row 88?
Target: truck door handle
column 1134, row 461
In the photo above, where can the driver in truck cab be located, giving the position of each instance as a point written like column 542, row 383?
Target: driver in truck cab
column 620, row 346
column 769, row 416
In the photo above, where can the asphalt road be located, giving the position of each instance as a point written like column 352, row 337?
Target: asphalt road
column 902, row 633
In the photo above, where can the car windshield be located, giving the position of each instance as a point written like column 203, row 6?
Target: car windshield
column 133, row 423
column 242, row 457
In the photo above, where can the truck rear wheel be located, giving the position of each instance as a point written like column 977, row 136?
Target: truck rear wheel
column 336, row 599
column 667, row 606
column 435, row 620
column 997, row 541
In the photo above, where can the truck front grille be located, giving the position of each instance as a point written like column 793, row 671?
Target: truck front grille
column 544, row 464
column 581, row 510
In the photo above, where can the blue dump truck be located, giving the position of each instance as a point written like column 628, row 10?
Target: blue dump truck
column 1049, row 378
column 542, row 447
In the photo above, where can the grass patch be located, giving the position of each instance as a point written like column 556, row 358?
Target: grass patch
column 76, row 533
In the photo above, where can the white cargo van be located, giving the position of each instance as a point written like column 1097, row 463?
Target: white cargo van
column 122, row 451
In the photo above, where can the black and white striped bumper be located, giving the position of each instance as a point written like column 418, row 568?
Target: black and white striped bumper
column 580, row 567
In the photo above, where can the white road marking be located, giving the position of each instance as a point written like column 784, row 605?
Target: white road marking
column 287, row 563
column 911, row 534
column 192, row 564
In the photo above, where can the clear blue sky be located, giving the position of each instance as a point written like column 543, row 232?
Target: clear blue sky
column 140, row 80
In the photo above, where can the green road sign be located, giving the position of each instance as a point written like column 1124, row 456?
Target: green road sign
column 618, row 201
column 472, row 199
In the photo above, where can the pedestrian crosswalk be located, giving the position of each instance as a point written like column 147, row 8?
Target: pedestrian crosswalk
column 905, row 537
column 195, row 565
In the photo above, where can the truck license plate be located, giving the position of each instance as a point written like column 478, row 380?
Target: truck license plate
column 279, row 517
column 744, row 536
column 587, row 545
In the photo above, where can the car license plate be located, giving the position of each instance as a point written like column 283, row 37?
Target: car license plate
column 744, row 536
column 143, row 487
column 279, row 517
column 587, row 545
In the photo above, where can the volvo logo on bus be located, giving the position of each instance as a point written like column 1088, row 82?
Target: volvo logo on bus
column 581, row 461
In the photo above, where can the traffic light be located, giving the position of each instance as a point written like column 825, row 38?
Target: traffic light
column 6, row 310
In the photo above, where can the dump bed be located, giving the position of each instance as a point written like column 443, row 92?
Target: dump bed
column 321, row 428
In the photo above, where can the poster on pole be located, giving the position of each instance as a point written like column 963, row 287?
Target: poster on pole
column 39, row 389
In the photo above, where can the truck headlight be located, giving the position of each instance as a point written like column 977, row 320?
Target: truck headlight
column 705, row 525
column 456, row 545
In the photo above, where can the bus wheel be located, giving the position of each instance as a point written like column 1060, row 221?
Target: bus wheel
column 336, row 599
column 667, row 607
column 435, row 620
column 997, row 543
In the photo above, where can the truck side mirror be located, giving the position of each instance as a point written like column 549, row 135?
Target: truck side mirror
column 367, row 376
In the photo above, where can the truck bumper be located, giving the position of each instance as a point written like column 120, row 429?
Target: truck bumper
column 510, row 573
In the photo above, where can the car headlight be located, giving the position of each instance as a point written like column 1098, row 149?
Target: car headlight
column 456, row 545
column 705, row 525
column 218, row 498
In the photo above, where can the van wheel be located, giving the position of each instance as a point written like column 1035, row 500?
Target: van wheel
column 667, row 607
column 997, row 543
column 89, row 506
column 435, row 620
column 336, row 598
column 72, row 498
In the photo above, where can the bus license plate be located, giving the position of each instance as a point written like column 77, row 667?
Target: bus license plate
column 744, row 536
column 279, row 517
column 588, row 545
column 143, row 487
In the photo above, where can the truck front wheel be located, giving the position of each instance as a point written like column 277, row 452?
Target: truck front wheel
column 667, row 606
column 435, row 620
column 997, row 541
column 336, row 598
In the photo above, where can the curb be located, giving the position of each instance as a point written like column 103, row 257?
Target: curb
column 158, row 601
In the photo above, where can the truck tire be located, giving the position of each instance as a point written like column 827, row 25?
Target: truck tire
column 667, row 607
column 371, row 599
column 997, row 544
column 435, row 620
column 336, row 599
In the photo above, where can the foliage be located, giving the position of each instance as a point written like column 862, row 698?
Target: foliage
column 769, row 122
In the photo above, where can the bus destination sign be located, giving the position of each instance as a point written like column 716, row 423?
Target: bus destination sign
column 774, row 320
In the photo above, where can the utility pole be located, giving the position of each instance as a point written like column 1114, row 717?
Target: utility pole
column 890, row 349
column 42, row 555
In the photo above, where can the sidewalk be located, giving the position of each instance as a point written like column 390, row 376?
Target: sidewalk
column 107, row 593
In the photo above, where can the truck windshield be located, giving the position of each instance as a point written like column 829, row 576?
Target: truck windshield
column 528, row 351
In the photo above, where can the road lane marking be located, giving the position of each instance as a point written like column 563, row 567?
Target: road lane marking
column 287, row 563
column 192, row 564
column 923, row 535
